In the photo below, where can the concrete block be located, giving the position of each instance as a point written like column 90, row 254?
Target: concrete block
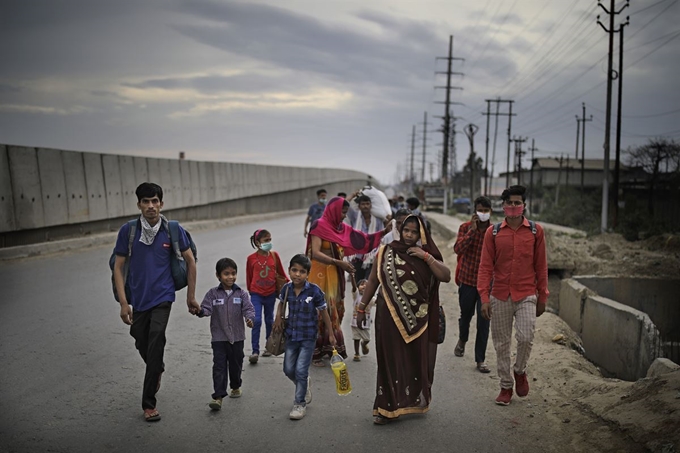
column 141, row 172
column 27, row 197
column 153, row 167
column 165, row 181
column 662, row 366
column 195, row 183
column 52, row 186
column 7, row 222
column 611, row 334
column 210, row 182
column 114, row 187
column 572, row 299
column 96, row 189
column 76, row 187
column 128, row 182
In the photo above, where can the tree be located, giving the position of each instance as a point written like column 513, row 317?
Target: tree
column 658, row 158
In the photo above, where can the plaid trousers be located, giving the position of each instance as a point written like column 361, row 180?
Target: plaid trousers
column 502, row 314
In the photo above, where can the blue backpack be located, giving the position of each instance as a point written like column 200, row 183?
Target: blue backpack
column 178, row 265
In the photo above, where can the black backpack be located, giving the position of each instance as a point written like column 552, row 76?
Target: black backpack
column 178, row 265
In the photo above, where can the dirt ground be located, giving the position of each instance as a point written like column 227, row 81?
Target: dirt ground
column 580, row 409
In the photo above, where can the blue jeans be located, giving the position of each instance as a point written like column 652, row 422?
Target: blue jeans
column 469, row 299
column 296, row 362
column 267, row 303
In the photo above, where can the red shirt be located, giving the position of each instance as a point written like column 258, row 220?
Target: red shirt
column 261, row 273
column 516, row 262
column 469, row 249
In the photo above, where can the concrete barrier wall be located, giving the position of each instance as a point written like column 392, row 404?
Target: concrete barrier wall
column 623, row 341
column 44, row 192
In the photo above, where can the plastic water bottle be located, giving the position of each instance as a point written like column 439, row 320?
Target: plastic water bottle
column 342, row 384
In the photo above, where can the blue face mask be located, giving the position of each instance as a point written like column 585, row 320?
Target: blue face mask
column 267, row 246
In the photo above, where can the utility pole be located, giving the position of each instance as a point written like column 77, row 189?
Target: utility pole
column 470, row 131
column 583, row 145
column 412, row 175
column 559, row 177
column 617, row 164
column 498, row 101
column 531, row 178
column 518, row 157
column 447, row 109
column 486, row 156
column 422, row 170
column 608, row 121
column 567, row 172
column 578, row 134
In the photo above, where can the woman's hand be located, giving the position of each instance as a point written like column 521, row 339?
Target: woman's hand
column 345, row 266
column 417, row 252
column 361, row 317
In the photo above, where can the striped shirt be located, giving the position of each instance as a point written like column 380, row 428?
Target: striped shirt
column 303, row 318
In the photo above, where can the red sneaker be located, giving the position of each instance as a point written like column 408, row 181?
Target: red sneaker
column 521, row 384
column 504, row 397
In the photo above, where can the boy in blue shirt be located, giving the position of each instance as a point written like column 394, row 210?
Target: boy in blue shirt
column 304, row 299
column 151, row 287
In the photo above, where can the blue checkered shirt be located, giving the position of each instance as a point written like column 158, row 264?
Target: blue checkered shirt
column 303, row 318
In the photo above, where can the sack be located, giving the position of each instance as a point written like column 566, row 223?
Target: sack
column 178, row 265
column 380, row 205
column 276, row 343
column 442, row 325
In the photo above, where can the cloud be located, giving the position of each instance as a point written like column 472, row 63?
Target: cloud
column 43, row 110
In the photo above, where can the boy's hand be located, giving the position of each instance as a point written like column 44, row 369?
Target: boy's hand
column 249, row 323
column 126, row 314
column 486, row 311
column 361, row 318
column 540, row 309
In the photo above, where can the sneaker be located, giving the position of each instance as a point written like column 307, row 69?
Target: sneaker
column 521, row 384
column 357, row 358
column 504, row 397
column 216, row 404
column 235, row 393
column 308, row 395
column 266, row 353
column 253, row 357
column 298, row 412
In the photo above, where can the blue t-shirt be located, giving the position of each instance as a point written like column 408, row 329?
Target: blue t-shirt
column 303, row 318
column 315, row 211
column 149, row 275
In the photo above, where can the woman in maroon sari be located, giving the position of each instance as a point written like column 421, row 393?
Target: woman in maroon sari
column 328, row 240
column 408, row 273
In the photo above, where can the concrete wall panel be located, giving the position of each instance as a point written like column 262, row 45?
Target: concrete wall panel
column 114, row 186
column 76, row 187
column 96, row 190
column 203, row 182
column 7, row 222
column 27, row 198
column 195, row 183
column 128, row 181
column 185, row 175
column 154, row 170
column 572, row 299
column 141, row 171
column 165, row 181
column 210, row 182
column 52, row 186
column 176, row 181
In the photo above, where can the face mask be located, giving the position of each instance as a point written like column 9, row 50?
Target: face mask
column 267, row 246
column 322, row 200
column 513, row 211
column 483, row 217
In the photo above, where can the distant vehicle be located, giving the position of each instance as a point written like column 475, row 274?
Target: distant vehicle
column 433, row 196
column 462, row 205
column 497, row 206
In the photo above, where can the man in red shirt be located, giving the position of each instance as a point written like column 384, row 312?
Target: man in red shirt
column 468, row 247
column 514, row 259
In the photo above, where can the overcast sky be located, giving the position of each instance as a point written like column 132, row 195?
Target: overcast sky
column 325, row 83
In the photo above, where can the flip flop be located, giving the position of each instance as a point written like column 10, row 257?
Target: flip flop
column 151, row 415
column 483, row 368
column 364, row 348
column 318, row 363
column 459, row 350
column 380, row 420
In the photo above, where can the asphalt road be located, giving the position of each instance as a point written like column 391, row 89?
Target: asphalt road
column 70, row 378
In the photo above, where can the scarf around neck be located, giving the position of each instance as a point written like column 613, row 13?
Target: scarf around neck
column 149, row 232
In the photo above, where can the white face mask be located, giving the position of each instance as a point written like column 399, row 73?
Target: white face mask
column 483, row 217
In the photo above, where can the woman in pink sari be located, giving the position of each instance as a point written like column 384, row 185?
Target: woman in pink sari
column 328, row 240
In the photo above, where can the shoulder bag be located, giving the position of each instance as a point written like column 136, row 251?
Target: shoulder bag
column 276, row 343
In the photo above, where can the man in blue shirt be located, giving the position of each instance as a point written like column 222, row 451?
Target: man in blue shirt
column 151, row 287
column 304, row 301
column 316, row 210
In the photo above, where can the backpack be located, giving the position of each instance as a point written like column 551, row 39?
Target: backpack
column 178, row 265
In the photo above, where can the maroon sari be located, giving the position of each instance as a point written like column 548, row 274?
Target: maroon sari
column 406, row 329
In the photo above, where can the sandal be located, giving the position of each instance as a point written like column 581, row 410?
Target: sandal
column 380, row 420
column 357, row 358
column 151, row 415
column 459, row 350
column 364, row 347
column 483, row 367
column 318, row 363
